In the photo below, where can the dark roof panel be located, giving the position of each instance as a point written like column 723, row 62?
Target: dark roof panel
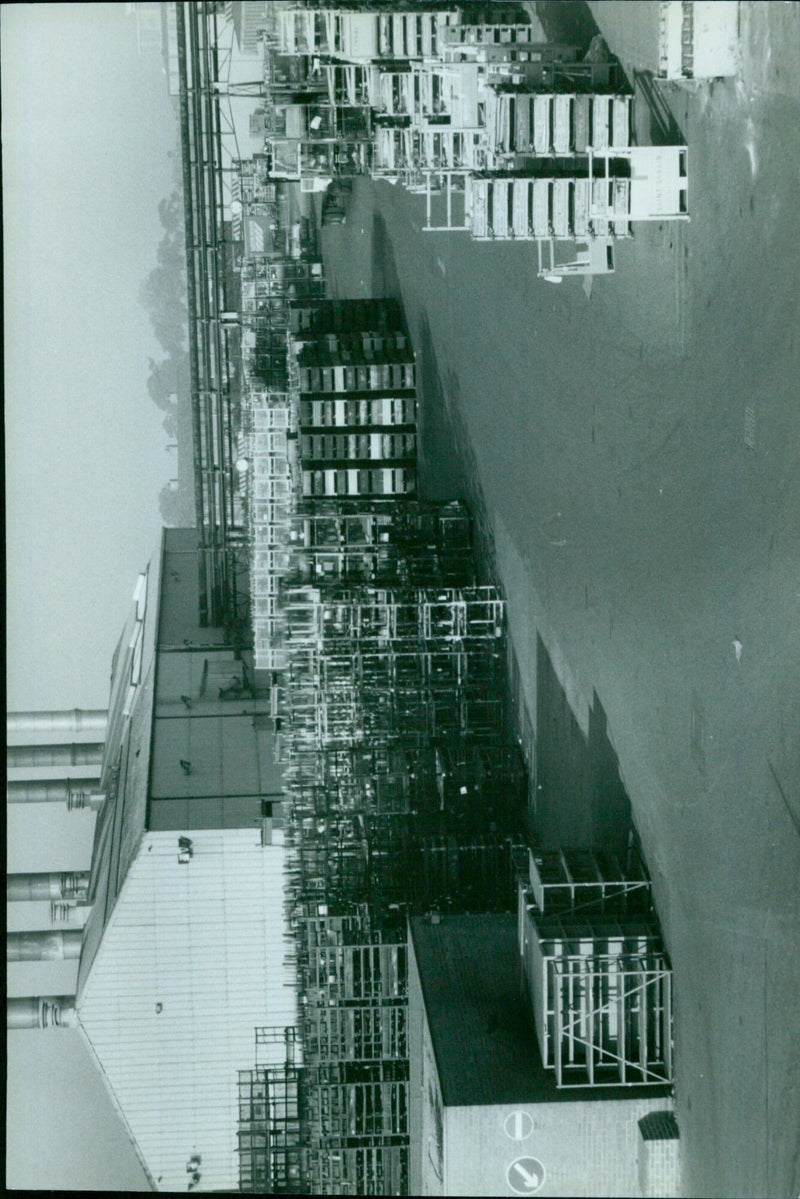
column 484, row 1044
column 483, row 1038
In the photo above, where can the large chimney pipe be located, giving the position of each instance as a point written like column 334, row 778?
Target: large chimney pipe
column 75, row 793
column 43, row 946
column 72, row 754
column 58, row 725
column 41, row 1011
column 73, row 885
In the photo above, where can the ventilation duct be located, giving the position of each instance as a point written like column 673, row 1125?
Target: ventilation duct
column 68, row 791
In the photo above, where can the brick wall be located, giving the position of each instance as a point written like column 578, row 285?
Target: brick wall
column 659, row 1156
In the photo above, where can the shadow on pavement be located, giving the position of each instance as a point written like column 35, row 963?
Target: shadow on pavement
column 580, row 798
column 569, row 21
column 384, row 272
column 664, row 129
column 448, row 465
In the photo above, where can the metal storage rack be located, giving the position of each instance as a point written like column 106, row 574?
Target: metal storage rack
column 597, row 971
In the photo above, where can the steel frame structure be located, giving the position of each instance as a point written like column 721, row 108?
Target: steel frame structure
column 596, row 970
column 632, row 994
column 209, row 351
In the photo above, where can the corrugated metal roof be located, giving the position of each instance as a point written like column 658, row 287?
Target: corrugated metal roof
column 190, row 963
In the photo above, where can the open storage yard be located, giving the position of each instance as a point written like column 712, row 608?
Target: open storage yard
column 638, row 452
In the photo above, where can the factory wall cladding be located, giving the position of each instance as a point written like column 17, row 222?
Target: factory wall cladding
column 192, row 960
column 231, row 771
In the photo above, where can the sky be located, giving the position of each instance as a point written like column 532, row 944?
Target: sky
column 87, row 130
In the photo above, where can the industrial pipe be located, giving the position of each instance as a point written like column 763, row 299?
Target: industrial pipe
column 73, row 885
column 92, row 798
column 51, row 791
column 71, row 754
column 75, row 793
column 58, row 724
column 41, row 1011
column 44, row 946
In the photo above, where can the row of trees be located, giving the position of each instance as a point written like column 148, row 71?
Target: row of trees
column 163, row 295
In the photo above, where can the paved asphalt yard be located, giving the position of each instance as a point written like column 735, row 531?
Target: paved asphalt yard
column 639, row 454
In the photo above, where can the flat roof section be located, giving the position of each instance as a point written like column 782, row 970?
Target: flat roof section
column 483, row 1037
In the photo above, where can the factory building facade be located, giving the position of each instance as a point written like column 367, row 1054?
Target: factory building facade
column 486, row 1116
column 183, row 954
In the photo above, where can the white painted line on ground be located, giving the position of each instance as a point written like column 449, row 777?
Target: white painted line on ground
column 750, row 427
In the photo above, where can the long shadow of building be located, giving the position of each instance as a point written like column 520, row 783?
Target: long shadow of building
column 579, row 796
